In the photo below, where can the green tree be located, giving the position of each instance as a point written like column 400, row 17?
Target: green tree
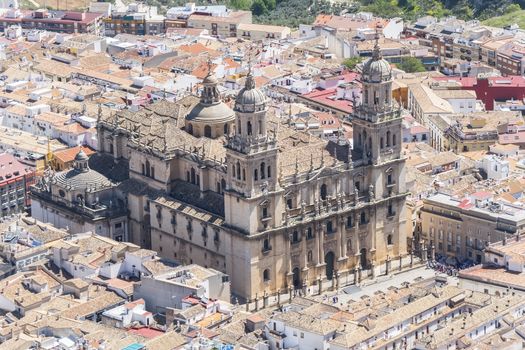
column 270, row 4
column 411, row 65
column 512, row 8
column 352, row 62
column 259, row 8
column 240, row 4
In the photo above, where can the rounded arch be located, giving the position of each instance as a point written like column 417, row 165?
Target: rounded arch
column 323, row 191
column 207, row 131
column 190, row 129
column 249, row 127
column 263, row 168
column 266, row 275
column 389, row 239
column 193, row 177
column 226, row 129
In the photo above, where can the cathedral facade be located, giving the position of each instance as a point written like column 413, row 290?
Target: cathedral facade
column 242, row 192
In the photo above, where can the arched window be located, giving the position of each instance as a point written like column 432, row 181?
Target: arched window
column 218, row 187
column 394, row 140
column 349, row 245
column 381, row 143
column 190, row 129
column 192, row 176
column 263, row 166
column 223, row 185
column 147, row 168
column 388, row 138
column 310, row 256
column 266, row 244
column 226, row 129
column 80, row 198
column 243, row 174
column 143, row 169
column 238, row 171
column 369, row 144
column 233, row 170
column 255, row 177
column 260, row 127
column 266, row 275
column 309, row 233
column 269, row 172
column 207, row 131
column 389, row 240
column 239, row 128
column 187, row 176
column 152, row 172
column 389, row 179
column 249, row 127
column 363, row 218
column 323, row 191
column 295, row 236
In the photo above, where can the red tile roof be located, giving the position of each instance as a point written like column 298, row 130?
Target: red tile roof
column 146, row 332
column 69, row 154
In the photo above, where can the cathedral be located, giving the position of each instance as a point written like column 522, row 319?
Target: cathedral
column 238, row 190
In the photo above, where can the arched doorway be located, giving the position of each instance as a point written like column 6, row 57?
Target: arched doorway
column 329, row 261
column 296, row 278
column 364, row 262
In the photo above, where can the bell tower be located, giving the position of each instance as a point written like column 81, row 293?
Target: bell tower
column 376, row 121
column 251, row 155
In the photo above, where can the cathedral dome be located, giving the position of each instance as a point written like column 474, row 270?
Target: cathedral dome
column 218, row 112
column 81, row 177
column 210, row 109
column 82, row 180
column 250, row 99
column 376, row 69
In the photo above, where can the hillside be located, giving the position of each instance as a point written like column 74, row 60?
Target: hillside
column 508, row 19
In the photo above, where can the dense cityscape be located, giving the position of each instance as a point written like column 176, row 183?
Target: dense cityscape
column 191, row 177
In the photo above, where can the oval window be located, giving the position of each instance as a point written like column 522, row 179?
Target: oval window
column 62, row 193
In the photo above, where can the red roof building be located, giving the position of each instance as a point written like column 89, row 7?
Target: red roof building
column 491, row 89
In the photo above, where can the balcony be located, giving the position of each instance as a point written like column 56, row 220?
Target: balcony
column 93, row 212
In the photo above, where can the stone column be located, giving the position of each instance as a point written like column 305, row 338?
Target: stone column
column 372, row 268
column 423, row 250
column 387, row 265
column 115, row 148
column 305, row 250
column 317, row 247
column 320, row 284
column 339, row 239
column 400, row 263
column 321, row 243
column 432, row 252
column 289, row 273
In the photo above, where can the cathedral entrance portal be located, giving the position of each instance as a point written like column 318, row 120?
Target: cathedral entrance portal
column 329, row 261
column 296, row 278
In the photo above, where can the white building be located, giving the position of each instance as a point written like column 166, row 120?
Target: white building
column 124, row 315
column 494, row 167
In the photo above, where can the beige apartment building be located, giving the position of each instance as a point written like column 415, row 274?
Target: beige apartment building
column 225, row 27
column 262, row 31
column 462, row 227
